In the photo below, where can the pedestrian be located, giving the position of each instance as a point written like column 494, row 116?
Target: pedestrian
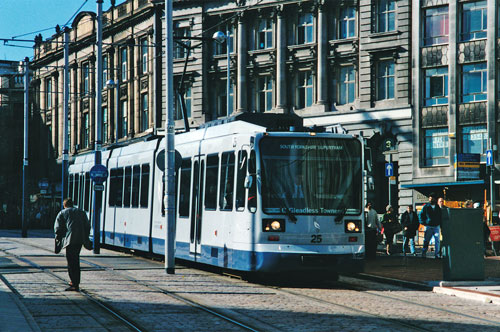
column 409, row 222
column 389, row 222
column 73, row 227
column 431, row 217
column 373, row 227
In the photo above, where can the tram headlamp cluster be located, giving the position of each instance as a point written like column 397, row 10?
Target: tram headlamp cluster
column 353, row 226
column 273, row 225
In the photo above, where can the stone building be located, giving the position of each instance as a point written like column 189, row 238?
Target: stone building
column 331, row 62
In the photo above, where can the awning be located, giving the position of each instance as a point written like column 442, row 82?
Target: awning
column 441, row 184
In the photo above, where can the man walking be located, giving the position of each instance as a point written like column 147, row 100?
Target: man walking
column 409, row 221
column 372, row 228
column 430, row 217
column 73, row 227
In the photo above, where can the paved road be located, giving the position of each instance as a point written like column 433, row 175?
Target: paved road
column 196, row 300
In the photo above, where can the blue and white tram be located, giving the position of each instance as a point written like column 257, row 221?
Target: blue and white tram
column 247, row 199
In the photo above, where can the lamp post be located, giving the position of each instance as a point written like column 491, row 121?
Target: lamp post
column 219, row 38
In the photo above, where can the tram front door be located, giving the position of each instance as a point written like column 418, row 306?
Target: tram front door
column 196, row 207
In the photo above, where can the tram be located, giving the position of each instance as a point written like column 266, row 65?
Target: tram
column 252, row 194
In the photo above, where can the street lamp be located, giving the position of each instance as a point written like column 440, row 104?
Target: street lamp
column 220, row 38
column 110, row 84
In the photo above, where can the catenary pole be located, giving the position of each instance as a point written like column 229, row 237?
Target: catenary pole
column 24, row 222
column 65, row 152
column 96, row 211
column 170, row 144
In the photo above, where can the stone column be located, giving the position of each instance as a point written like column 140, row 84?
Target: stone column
column 281, row 103
column 321, row 66
column 130, row 89
column 241, row 78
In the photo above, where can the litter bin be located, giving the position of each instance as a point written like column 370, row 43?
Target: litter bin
column 462, row 246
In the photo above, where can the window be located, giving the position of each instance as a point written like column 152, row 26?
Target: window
column 474, row 82
column 221, row 48
column 86, row 205
column 386, row 15
column 264, row 35
column 105, row 124
column 212, row 176
column 436, row 147
column 347, row 84
column 123, row 66
column 474, row 20
column 226, row 181
column 48, row 93
column 240, row 180
column 304, row 89
column 144, row 56
column 85, row 138
column 385, row 79
column 119, row 187
column 127, row 188
column 436, row 27
column 145, row 185
column 144, row 112
column 222, row 100
column 264, row 94
column 185, row 187
column 177, row 104
column 305, row 32
column 475, row 140
column 104, row 70
column 76, row 193
column 347, row 22
column 136, row 178
column 180, row 51
column 86, row 73
column 436, row 86
column 123, row 118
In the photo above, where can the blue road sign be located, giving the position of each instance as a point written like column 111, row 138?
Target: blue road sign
column 99, row 173
column 489, row 158
column 389, row 169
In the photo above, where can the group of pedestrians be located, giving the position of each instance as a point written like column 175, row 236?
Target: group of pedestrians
column 430, row 217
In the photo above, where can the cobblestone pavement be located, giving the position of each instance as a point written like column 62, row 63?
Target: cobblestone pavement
column 137, row 287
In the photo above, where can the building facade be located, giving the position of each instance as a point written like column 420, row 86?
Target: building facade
column 333, row 63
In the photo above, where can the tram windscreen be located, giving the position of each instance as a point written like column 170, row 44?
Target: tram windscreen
column 311, row 175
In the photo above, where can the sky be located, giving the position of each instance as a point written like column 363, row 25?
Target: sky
column 24, row 19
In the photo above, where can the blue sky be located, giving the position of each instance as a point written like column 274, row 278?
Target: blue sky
column 20, row 17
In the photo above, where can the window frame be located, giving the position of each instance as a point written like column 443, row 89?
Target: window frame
column 429, row 158
column 123, row 64
column 264, row 94
column 264, row 30
column 385, row 77
column 465, row 76
column 386, row 15
column 345, row 22
column 304, row 31
column 432, row 13
column 476, row 6
column 144, row 55
column 305, row 89
column 144, row 111
column 429, row 75
column 483, row 140
column 341, row 100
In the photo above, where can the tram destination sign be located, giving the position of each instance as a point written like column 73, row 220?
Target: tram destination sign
column 467, row 166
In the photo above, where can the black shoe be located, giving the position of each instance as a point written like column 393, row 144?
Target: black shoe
column 72, row 289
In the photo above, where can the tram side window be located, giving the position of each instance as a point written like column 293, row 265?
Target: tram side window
column 76, row 193
column 226, row 181
column 87, row 192
column 81, row 200
column 252, row 191
column 112, row 187
column 240, row 180
column 127, row 187
column 185, row 188
column 136, row 177
column 211, row 182
column 145, row 185
column 119, row 187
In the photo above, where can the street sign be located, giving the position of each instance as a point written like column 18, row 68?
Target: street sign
column 489, row 158
column 99, row 174
column 389, row 169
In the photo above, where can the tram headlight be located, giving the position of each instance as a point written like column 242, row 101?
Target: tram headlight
column 273, row 225
column 353, row 226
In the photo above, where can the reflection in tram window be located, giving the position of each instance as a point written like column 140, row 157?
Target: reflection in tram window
column 226, row 181
column 87, row 192
column 127, row 186
column 145, row 185
column 136, row 176
column 119, row 187
column 185, row 188
column 240, row 180
column 211, row 182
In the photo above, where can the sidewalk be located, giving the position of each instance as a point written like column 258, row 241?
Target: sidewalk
column 420, row 273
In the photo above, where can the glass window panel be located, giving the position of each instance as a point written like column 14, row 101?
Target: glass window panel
column 145, row 185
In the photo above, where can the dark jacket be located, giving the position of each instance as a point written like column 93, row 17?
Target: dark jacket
column 389, row 218
column 73, row 226
column 430, row 216
column 411, row 223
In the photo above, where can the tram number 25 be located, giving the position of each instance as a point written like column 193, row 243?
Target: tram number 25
column 316, row 238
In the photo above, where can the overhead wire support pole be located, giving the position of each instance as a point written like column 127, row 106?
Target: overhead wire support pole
column 65, row 151
column 96, row 211
column 169, row 144
column 24, row 222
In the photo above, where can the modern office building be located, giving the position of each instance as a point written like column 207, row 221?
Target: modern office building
column 334, row 63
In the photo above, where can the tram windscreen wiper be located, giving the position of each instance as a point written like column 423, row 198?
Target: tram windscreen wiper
column 341, row 215
column 289, row 213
